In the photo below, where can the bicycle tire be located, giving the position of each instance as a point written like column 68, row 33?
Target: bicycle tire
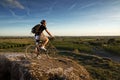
column 30, row 52
column 51, row 50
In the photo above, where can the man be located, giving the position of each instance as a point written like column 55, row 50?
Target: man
column 40, row 35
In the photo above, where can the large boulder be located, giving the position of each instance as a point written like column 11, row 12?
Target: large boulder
column 45, row 68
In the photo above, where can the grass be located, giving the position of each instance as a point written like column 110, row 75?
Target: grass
column 68, row 44
column 82, row 44
column 14, row 44
column 98, row 67
column 114, row 49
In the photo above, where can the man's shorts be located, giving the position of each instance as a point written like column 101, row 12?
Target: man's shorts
column 41, row 37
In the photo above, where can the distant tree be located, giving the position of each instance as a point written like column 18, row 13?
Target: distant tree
column 111, row 41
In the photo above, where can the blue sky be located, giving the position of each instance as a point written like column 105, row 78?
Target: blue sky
column 64, row 17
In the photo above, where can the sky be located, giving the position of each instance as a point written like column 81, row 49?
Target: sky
column 64, row 17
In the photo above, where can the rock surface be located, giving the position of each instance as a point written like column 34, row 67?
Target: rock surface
column 43, row 68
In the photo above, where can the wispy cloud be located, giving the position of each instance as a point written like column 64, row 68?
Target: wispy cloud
column 72, row 6
column 27, row 11
column 14, row 14
column 116, row 2
column 12, row 4
column 88, row 5
column 50, row 8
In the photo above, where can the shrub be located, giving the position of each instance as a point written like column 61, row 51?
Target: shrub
column 111, row 41
column 113, row 49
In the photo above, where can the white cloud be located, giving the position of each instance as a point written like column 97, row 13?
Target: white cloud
column 12, row 4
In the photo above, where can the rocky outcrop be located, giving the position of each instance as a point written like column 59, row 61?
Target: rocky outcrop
column 44, row 68
column 5, row 67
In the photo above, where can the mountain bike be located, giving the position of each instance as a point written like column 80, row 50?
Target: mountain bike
column 34, row 51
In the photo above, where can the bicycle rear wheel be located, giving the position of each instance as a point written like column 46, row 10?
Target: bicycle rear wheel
column 30, row 52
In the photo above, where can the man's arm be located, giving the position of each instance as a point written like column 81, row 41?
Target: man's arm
column 48, row 33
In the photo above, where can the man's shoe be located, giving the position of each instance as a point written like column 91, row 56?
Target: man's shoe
column 43, row 48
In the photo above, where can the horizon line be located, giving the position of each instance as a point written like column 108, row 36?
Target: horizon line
column 72, row 36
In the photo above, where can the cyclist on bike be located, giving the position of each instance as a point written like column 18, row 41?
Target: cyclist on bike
column 40, row 35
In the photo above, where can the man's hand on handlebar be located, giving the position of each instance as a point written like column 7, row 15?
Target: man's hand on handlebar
column 51, row 38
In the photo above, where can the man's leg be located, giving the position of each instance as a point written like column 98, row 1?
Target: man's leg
column 37, row 39
column 45, row 41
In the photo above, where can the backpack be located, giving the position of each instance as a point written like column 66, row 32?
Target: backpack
column 35, row 29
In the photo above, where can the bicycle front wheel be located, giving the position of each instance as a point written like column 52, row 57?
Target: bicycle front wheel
column 31, row 52
column 52, row 51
